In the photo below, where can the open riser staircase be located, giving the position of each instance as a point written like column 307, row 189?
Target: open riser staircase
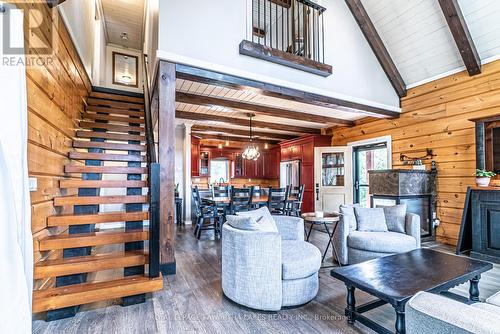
column 105, row 246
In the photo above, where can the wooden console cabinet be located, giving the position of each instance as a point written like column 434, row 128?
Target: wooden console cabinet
column 303, row 149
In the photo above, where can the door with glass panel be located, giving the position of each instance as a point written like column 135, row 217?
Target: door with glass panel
column 332, row 177
column 367, row 157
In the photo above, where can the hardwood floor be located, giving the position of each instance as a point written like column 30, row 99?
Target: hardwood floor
column 192, row 301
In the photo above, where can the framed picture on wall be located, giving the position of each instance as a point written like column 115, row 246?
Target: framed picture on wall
column 125, row 70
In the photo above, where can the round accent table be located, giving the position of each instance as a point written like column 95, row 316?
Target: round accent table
column 329, row 218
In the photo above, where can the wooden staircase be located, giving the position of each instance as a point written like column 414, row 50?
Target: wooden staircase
column 99, row 263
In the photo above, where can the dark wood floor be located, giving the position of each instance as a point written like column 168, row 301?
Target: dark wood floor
column 192, row 302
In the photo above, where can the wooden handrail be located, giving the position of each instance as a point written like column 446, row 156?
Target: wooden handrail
column 149, row 119
column 154, row 181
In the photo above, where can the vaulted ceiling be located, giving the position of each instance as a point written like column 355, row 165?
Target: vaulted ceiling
column 417, row 36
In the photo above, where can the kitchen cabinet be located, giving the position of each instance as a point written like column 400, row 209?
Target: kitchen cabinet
column 205, row 163
column 195, row 156
column 238, row 166
column 303, row 149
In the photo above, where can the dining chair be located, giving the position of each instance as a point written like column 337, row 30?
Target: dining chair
column 295, row 197
column 277, row 201
column 256, row 193
column 207, row 215
column 222, row 192
column 241, row 200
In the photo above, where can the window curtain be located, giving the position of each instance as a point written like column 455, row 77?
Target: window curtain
column 16, row 244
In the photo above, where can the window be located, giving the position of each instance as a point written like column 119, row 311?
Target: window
column 219, row 171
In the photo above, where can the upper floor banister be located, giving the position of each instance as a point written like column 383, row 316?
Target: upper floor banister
column 288, row 32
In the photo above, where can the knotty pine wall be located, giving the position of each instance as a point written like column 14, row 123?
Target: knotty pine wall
column 56, row 94
column 436, row 115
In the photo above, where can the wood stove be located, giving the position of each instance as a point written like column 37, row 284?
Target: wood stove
column 415, row 188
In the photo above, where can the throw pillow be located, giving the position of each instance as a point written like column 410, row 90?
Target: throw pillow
column 348, row 212
column 243, row 223
column 395, row 217
column 263, row 217
column 370, row 219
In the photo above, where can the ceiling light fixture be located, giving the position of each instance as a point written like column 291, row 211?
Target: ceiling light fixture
column 251, row 152
column 219, row 146
column 124, row 36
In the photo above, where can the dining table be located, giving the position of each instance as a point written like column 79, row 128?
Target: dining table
column 226, row 200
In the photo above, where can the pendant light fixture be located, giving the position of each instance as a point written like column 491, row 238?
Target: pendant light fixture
column 251, row 152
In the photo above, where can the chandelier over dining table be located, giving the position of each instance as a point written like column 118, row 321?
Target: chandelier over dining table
column 251, row 152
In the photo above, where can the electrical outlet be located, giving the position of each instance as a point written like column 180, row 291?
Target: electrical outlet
column 33, row 183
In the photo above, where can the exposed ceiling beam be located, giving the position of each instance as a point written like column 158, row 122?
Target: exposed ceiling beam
column 461, row 34
column 53, row 3
column 205, row 129
column 233, row 82
column 232, row 138
column 194, row 116
column 258, row 109
column 378, row 47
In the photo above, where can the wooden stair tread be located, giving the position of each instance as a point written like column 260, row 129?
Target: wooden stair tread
column 108, row 146
column 63, row 241
column 100, row 117
column 113, row 111
column 98, row 218
column 117, row 97
column 86, row 264
column 111, row 127
column 78, row 294
column 102, row 184
column 89, row 200
column 114, row 104
column 110, row 136
column 105, row 169
column 107, row 157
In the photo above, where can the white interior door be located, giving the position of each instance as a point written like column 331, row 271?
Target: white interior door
column 332, row 177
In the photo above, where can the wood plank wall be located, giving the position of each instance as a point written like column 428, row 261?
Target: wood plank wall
column 436, row 115
column 56, row 93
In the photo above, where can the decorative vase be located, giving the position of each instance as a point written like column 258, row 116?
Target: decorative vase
column 483, row 181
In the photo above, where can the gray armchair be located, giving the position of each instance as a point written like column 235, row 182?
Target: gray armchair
column 355, row 246
column 427, row 313
column 269, row 270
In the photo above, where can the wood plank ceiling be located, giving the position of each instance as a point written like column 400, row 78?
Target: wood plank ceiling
column 220, row 112
column 419, row 39
column 124, row 16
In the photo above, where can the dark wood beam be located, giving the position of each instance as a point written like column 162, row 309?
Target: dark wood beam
column 209, row 77
column 54, row 3
column 461, row 34
column 232, row 138
column 166, row 159
column 205, row 129
column 194, row 116
column 268, row 53
column 258, row 109
column 378, row 47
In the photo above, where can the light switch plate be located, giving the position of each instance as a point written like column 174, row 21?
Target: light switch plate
column 33, row 182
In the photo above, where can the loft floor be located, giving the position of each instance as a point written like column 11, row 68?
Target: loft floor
column 192, row 302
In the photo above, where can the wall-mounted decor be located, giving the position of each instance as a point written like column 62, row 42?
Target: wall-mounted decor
column 125, row 70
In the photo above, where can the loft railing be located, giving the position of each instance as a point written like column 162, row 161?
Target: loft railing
column 154, row 181
column 292, row 26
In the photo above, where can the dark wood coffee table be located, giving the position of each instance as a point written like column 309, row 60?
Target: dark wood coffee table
column 396, row 278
